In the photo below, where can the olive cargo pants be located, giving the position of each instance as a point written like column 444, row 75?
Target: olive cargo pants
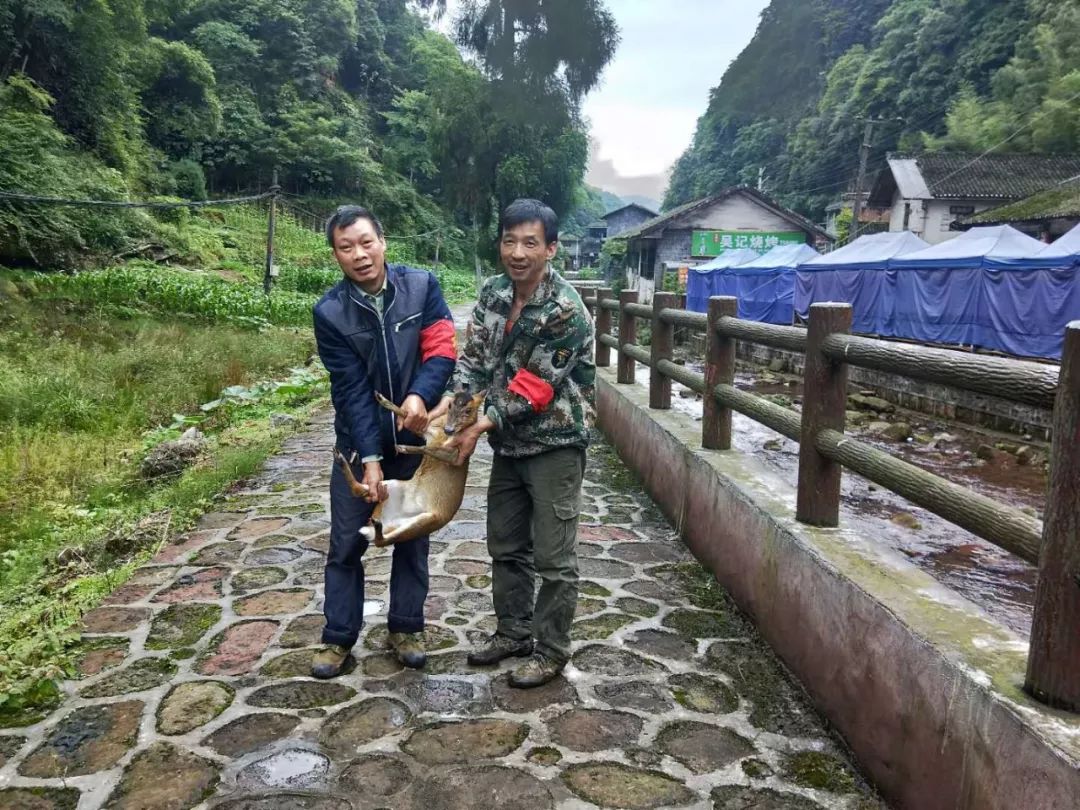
column 533, row 509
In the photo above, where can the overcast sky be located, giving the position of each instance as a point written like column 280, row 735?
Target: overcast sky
column 643, row 115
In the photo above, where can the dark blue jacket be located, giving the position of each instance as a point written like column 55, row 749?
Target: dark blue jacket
column 409, row 350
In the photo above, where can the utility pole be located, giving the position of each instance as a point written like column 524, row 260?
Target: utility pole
column 761, row 178
column 864, row 155
column 271, row 270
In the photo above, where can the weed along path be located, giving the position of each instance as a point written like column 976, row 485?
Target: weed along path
column 194, row 692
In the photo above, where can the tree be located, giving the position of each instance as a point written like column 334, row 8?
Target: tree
column 538, row 44
column 179, row 97
column 346, row 99
column 38, row 158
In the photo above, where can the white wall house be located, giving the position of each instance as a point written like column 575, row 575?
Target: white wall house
column 927, row 193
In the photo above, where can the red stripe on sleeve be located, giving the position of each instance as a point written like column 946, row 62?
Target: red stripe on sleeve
column 438, row 340
column 534, row 390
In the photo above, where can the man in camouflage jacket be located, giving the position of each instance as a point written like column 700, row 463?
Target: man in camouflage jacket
column 531, row 348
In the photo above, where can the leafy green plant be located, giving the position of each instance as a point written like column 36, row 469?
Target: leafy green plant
column 191, row 293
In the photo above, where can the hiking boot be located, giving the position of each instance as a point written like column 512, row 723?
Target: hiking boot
column 537, row 671
column 409, row 648
column 329, row 661
column 497, row 647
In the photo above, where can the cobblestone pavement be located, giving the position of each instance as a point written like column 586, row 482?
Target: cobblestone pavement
column 194, row 689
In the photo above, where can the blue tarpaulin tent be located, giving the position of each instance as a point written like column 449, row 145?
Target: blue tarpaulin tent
column 702, row 281
column 991, row 287
column 765, row 286
column 854, row 274
column 1070, row 243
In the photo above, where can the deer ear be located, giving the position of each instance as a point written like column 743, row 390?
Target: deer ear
column 479, row 398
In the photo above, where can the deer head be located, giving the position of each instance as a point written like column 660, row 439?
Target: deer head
column 464, row 411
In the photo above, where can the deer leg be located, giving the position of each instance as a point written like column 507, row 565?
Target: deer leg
column 390, row 406
column 358, row 489
column 444, row 454
column 424, row 523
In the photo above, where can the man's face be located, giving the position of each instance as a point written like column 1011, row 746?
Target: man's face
column 361, row 253
column 524, row 252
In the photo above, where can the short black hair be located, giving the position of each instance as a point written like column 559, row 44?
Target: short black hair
column 346, row 215
column 526, row 210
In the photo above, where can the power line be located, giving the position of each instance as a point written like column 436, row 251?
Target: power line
column 304, row 211
column 858, row 229
column 850, row 168
column 1026, row 126
column 417, row 235
column 846, row 174
column 388, row 237
column 37, row 200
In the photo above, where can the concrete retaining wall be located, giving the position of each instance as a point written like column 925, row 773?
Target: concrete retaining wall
column 923, row 686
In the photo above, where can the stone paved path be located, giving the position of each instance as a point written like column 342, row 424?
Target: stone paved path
column 194, row 690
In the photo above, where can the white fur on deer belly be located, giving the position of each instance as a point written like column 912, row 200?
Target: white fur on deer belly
column 402, row 505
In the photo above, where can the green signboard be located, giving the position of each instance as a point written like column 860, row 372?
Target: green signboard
column 714, row 243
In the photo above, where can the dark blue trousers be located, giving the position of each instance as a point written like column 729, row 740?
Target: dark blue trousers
column 344, row 599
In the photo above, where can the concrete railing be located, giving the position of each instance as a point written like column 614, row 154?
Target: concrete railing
column 824, row 449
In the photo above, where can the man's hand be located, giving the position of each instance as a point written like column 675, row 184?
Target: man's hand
column 416, row 416
column 373, row 480
column 465, row 441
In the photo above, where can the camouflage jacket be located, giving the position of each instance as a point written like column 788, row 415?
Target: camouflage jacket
column 539, row 376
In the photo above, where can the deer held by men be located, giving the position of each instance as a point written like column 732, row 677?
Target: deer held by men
column 430, row 499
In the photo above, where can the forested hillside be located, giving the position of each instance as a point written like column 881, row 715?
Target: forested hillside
column 348, row 99
column 946, row 74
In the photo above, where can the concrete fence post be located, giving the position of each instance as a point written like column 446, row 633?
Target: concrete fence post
column 662, row 348
column 1053, row 671
column 603, row 327
column 627, row 334
column 824, row 406
column 719, row 369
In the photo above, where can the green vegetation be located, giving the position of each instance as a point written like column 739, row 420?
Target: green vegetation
column 816, row 769
column 349, row 100
column 960, row 75
column 87, row 389
column 613, row 260
column 204, row 296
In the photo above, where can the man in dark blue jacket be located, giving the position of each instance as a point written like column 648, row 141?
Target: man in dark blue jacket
column 383, row 328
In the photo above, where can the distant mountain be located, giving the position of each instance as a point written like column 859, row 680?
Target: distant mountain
column 611, row 201
column 591, row 204
column 648, row 202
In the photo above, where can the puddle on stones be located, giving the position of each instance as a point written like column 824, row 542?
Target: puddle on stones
column 292, row 768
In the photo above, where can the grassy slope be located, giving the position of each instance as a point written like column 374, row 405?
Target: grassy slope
column 98, row 368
